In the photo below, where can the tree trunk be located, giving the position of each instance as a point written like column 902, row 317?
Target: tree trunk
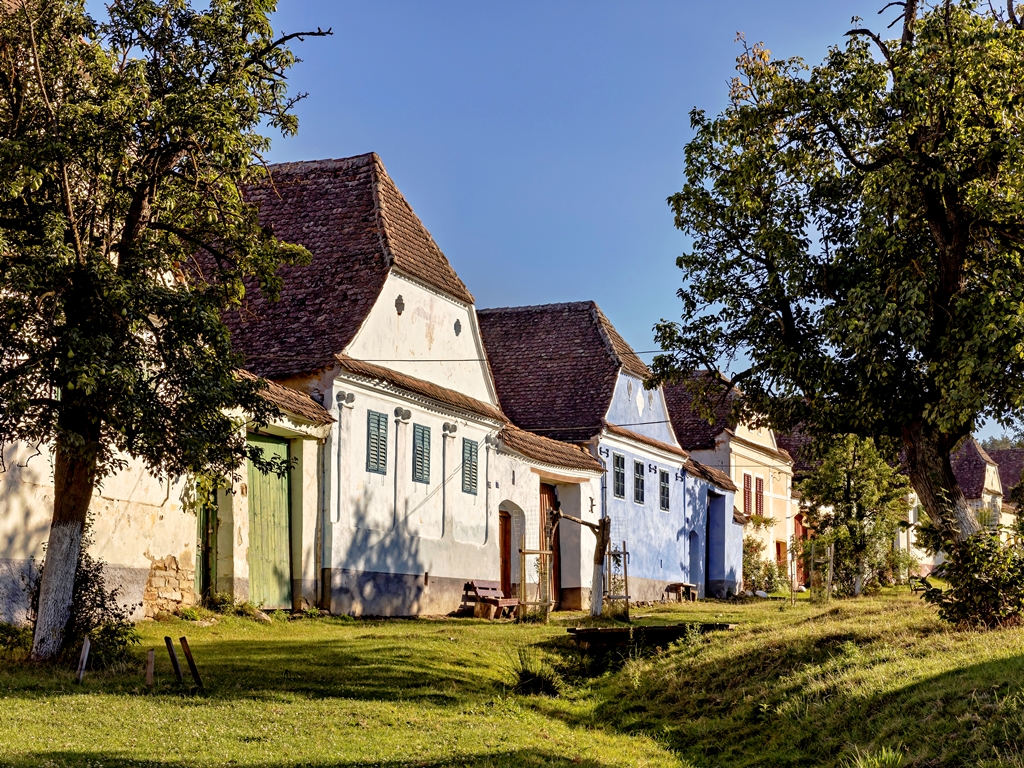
column 931, row 475
column 74, row 475
column 603, row 533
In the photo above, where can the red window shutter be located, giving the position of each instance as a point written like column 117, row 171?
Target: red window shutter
column 760, row 497
column 747, row 505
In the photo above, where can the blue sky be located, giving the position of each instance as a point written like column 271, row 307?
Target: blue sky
column 538, row 142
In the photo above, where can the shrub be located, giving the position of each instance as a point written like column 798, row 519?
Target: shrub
column 97, row 613
column 221, row 602
column 759, row 573
column 190, row 613
column 14, row 641
column 985, row 578
column 531, row 676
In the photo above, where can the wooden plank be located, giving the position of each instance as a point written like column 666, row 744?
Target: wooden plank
column 174, row 659
column 150, row 667
column 83, row 659
column 270, row 582
column 191, row 662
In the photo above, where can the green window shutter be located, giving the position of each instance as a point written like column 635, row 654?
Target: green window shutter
column 420, row 453
column 469, row 466
column 376, row 443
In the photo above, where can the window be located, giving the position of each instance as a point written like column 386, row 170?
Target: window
column 664, row 487
column 759, row 497
column 748, row 501
column 469, row 466
column 638, row 482
column 420, row 453
column 619, row 471
column 376, row 442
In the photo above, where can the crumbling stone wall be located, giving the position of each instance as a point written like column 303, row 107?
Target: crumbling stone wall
column 171, row 584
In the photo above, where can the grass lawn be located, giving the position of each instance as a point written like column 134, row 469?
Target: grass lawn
column 802, row 685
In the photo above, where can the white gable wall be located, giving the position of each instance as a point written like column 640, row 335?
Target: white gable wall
column 422, row 341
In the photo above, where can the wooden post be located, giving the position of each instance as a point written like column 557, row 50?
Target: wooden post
column 191, row 662
column 150, row 666
column 828, row 590
column 597, row 585
column 83, row 659
column 174, row 659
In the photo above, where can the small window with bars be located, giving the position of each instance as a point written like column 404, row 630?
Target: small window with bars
column 420, row 453
column 759, row 496
column 470, row 466
column 619, row 472
column 748, row 500
column 665, row 490
column 638, row 482
column 376, row 443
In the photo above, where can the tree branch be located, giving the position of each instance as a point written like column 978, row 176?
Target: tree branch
column 1013, row 16
column 284, row 39
column 879, row 42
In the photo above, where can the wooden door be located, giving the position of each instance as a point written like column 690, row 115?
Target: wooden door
column 548, row 503
column 505, row 551
column 206, row 545
column 270, row 569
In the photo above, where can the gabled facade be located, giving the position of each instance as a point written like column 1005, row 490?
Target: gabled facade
column 562, row 370
column 751, row 457
column 425, row 486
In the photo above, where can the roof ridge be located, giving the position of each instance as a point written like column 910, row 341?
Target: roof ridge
column 328, row 163
column 628, row 359
column 535, row 307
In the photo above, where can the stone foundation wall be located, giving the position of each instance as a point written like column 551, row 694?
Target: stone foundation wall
column 171, row 584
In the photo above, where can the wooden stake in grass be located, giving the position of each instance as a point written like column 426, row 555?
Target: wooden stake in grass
column 174, row 659
column 83, row 659
column 191, row 662
column 150, row 666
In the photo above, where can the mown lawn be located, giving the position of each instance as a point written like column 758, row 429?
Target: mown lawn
column 790, row 686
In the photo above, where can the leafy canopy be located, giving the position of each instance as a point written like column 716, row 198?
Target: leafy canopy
column 125, row 147
column 857, row 232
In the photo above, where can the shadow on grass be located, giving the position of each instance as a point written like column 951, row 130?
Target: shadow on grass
column 265, row 669
column 528, row 758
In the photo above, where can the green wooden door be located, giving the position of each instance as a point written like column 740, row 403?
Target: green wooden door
column 270, row 571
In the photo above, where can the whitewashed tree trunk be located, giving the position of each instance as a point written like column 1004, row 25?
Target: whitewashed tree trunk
column 56, row 588
column 597, row 589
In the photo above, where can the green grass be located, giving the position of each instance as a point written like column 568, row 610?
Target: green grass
column 870, row 682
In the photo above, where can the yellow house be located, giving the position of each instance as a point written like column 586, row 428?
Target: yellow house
column 761, row 470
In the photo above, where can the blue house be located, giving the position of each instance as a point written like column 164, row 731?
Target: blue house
column 563, row 371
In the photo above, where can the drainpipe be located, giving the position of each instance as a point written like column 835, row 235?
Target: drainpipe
column 402, row 416
column 344, row 401
column 447, row 430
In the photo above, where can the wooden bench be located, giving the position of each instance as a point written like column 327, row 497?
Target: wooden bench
column 491, row 602
column 918, row 583
column 680, row 588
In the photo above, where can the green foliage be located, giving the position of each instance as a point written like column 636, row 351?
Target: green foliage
column 221, row 602
column 858, row 239
column 856, row 500
column 884, row 757
column 190, row 613
column 126, row 144
column 759, row 573
column 96, row 612
column 1001, row 443
column 985, row 582
column 532, row 676
column 14, row 641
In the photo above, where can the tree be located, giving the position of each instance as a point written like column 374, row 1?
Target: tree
column 857, row 238
column 855, row 499
column 1001, row 443
column 124, row 235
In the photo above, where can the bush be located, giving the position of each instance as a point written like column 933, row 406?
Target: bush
column 531, row 676
column 190, row 613
column 985, row 578
column 97, row 613
column 759, row 573
column 14, row 641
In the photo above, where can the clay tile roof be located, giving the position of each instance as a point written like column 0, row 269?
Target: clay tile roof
column 692, row 431
column 420, row 387
column 969, row 462
column 548, row 451
column 631, row 435
column 712, row 475
column 1011, row 466
column 555, row 366
column 293, row 402
column 357, row 226
column 797, row 444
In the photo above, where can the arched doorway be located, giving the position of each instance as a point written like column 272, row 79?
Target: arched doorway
column 511, row 532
